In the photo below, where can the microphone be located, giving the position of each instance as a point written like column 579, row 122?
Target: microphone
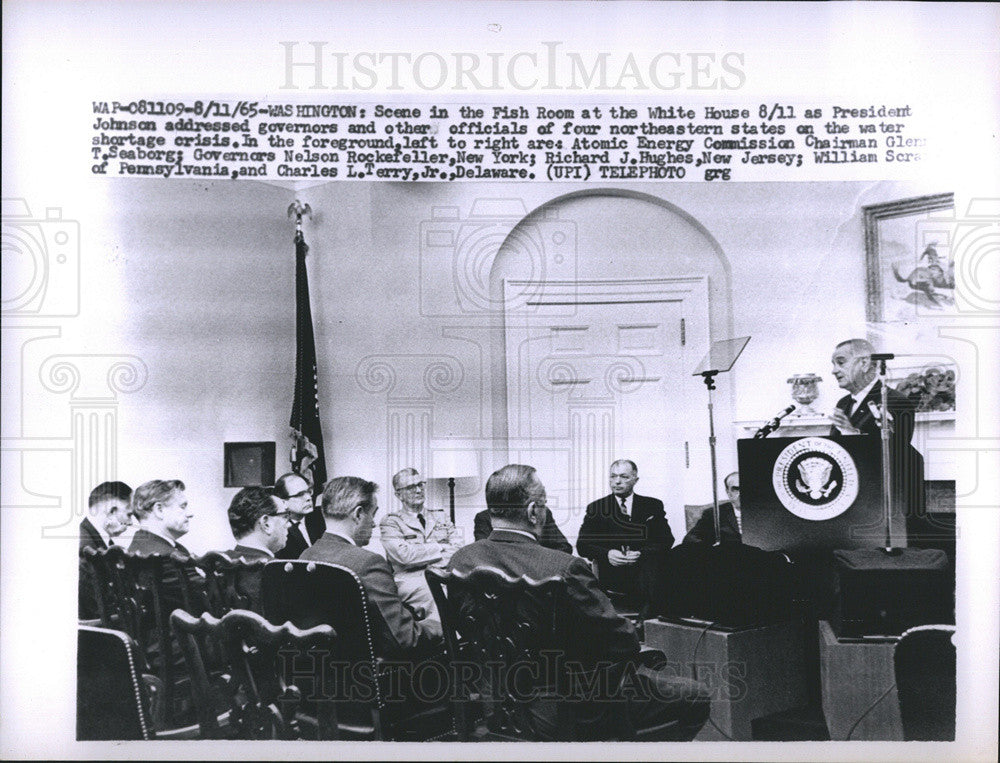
column 876, row 356
column 773, row 424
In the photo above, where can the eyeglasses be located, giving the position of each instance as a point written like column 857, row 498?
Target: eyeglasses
column 284, row 514
column 414, row 486
column 300, row 494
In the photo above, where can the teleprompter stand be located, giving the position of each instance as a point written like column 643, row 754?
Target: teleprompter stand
column 721, row 357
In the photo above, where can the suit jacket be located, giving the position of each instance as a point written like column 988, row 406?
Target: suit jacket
column 314, row 525
column 906, row 464
column 551, row 536
column 598, row 632
column 149, row 544
column 87, row 607
column 605, row 527
column 397, row 632
column 704, row 529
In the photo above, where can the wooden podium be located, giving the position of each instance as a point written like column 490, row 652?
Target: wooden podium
column 752, row 672
column 814, row 494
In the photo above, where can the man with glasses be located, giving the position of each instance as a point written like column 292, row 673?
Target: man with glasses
column 259, row 523
column 730, row 517
column 416, row 538
column 306, row 520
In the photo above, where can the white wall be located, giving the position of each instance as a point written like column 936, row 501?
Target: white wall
column 205, row 284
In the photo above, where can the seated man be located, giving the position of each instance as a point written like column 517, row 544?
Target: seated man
column 108, row 516
column 599, row 636
column 349, row 506
column 627, row 535
column 551, row 536
column 306, row 523
column 259, row 524
column 164, row 517
column 414, row 539
column 730, row 517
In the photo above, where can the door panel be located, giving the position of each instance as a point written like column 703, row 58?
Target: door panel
column 598, row 371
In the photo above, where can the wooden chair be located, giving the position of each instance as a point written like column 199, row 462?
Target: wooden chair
column 493, row 621
column 230, row 583
column 371, row 705
column 136, row 594
column 111, row 701
column 924, row 661
column 263, row 704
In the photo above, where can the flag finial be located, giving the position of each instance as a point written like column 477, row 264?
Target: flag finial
column 299, row 209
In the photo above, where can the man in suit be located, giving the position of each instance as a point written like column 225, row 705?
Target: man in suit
column 414, row 539
column 349, row 506
column 628, row 536
column 108, row 516
column 259, row 524
column 730, row 517
column 306, row 524
column 164, row 517
column 597, row 636
column 855, row 414
column 551, row 536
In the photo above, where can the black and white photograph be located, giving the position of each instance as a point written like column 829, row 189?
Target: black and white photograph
column 523, row 381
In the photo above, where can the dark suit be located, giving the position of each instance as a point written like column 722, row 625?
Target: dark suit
column 646, row 530
column 704, row 529
column 596, row 634
column 313, row 526
column 87, row 608
column 906, row 463
column 551, row 537
column 398, row 632
column 149, row 544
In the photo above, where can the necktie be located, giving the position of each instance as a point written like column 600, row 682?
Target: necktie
column 111, row 542
column 625, row 509
column 423, row 521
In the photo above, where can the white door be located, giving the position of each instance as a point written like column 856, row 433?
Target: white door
column 599, row 370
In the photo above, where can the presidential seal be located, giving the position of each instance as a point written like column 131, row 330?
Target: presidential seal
column 815, row 479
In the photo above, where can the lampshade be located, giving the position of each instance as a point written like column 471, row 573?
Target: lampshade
column 456, row 463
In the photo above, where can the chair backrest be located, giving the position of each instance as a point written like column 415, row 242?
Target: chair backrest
column 136, row 594
column 503, row 632
column 924, row 661
column 263, row 703
column 121, row 604
column 231, row 583
column 307, row 594
column 110, row 699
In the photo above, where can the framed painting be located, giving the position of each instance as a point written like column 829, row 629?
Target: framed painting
column 910, row 271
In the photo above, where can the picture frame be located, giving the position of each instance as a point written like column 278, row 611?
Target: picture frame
column 249, row 463
column 909, row 270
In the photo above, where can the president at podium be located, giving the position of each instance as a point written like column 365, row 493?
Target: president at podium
column 857, row 413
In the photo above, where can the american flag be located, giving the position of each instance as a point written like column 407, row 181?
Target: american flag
column 307, row 432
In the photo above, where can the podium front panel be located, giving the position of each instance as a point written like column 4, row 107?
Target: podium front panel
column 811, row 493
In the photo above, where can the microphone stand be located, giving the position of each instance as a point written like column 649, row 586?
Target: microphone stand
column 709, row 378
column 885, row 425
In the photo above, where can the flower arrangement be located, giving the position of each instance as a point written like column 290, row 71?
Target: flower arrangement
column 932, row 390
